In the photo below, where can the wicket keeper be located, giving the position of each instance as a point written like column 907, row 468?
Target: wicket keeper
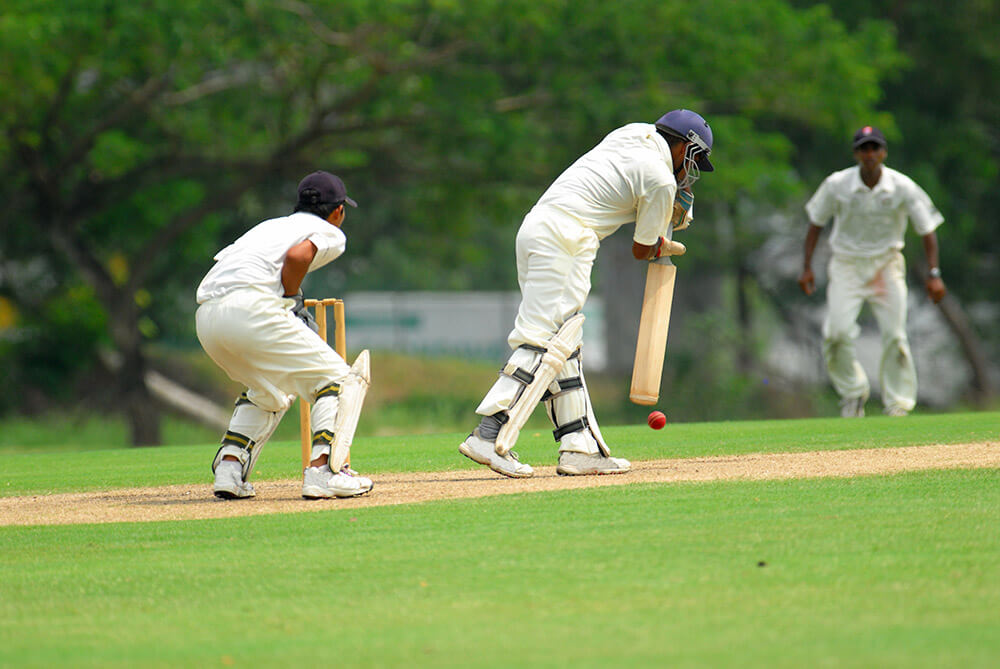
column 252, row 322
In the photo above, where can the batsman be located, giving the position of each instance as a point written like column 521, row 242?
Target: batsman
column 641, row 173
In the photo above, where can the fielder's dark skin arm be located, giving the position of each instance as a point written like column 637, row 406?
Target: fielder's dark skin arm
column 300, row 256
column 807, row 280
column 934, row 285
column 297, row 262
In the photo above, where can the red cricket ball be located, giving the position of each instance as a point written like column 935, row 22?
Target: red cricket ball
column 657, row 420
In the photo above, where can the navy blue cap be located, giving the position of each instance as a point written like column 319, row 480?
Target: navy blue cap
column 330, row 187
column 869, row 134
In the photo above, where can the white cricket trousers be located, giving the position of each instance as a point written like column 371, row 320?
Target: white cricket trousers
column 881, row 282
column 252, row 334
column 554, row 262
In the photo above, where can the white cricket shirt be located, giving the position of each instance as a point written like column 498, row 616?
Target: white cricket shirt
column 256, row 258
column 868, row 222
column 627, row 177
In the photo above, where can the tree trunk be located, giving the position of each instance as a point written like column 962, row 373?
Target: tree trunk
column 958, row 321
column 961, row 326
column 142, row 412
column 745, row 356
column 132, row 395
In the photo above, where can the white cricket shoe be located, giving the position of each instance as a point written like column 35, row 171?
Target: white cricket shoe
column 484, row 452
column 322, row 483
column 582, row 464
column 853, row 407
column 895, row 411
column 229, row 483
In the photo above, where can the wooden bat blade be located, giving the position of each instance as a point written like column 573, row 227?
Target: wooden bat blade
column 651, row 345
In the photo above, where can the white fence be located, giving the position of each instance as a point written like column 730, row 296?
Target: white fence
column 472, row 325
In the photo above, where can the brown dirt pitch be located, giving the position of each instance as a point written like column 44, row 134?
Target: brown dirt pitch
column 188, row 502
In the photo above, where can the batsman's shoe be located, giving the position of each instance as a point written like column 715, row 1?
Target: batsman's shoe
column 582, row 464
column 484, row 452
column 895, row 411
column 853, row 407
column 229, row 483
column 322, row 483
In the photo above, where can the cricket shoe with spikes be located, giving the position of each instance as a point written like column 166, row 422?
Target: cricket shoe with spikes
column 853, row 407
column 582, row 464
column 484, row 452
column 322, row 483
column 229, row 483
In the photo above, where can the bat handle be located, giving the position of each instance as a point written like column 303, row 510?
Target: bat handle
column 672, row 248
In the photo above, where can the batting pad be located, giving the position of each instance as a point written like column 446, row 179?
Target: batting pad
column 571, row 411
column 558, row 349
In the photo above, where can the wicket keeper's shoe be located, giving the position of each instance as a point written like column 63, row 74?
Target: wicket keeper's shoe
column 322, row 483
column 484, row 452
column 580, row 464
column 229, row 483
column 853, row 407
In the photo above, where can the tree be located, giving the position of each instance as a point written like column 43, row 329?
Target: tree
column 126, row 166
column 944, row 106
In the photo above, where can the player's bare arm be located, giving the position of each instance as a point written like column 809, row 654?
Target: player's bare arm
column 297, row 262
column 934, row 284
column 807, row 280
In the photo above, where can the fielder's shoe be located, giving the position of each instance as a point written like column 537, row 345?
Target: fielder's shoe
column 484, row 452
column 895, row 411
column 229, row 483
column 853, row 407
column 322, row 483
column 580, row 464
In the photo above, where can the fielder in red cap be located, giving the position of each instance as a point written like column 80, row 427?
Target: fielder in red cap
column 870, row 205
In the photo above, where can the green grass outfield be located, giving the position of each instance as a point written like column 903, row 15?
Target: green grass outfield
column 881, row 571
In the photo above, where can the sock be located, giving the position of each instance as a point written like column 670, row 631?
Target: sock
column 489, row 426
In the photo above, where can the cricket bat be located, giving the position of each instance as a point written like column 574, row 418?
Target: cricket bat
column 654, row 323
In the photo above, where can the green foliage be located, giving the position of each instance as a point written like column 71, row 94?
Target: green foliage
column 447, row 120
column 52, row 349
column 944, row 107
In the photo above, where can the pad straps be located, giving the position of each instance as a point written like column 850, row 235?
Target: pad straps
column 570, row 427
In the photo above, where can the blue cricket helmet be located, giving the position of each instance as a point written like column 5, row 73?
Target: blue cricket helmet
column 690, row 127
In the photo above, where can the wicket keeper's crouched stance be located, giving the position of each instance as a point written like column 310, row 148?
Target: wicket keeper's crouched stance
column 253, row 324
column 633, row 175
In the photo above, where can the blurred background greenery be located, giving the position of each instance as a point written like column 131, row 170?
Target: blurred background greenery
column 138, row 138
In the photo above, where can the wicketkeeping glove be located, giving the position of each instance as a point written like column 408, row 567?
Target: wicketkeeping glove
column 300, row 310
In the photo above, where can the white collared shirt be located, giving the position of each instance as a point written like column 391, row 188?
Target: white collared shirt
column 627, row 177
column 868, row 222
column 256, row 258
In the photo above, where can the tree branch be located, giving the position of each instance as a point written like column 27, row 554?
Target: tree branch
column 139, row 99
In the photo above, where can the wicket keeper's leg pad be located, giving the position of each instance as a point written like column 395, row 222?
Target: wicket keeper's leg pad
column 249, row 429
column 352, row 397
